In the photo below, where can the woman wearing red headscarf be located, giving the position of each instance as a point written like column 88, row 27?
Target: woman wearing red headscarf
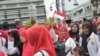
column 63, row 33
column 41, row 41
column 69, row 42
column 27, row 49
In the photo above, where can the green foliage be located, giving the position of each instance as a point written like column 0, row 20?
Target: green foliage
column 27, row 23
column 49, row 22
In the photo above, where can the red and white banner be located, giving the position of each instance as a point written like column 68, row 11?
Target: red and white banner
column 60, row 15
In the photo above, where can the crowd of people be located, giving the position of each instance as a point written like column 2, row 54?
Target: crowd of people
column 67, row 38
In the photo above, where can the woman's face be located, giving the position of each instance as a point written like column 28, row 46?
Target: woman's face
column 85, row 30
column 22, row 39
column 10, row 37
column 63, row 32
column 74, row 28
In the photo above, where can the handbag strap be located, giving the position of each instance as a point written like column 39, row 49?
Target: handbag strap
column 68, row 51
column 42, row 53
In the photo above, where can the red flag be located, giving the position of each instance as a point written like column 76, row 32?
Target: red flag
column 60, row 15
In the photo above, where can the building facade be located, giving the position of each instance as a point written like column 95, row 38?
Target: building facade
column 96, row 7
column 12, row 10
column 82, row 11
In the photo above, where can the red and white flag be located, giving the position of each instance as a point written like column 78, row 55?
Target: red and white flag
column 60, row 15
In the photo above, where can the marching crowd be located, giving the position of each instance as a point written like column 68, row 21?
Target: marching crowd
column 63, row 39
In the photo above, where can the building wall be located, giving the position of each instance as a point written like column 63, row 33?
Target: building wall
column 18, row 9
column 84, row 10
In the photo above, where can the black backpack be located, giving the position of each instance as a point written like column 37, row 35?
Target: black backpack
column 60, row 48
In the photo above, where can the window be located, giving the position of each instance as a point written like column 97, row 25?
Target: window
column 11, row 5
column 91, row 7
column 12, row 14
column 41, row 12
column 1, row 6
column 9, row 16
column 24, row 13
column 38, row 3
column 88, row 8
column 74, row 14
column 24, row 4
column 80, row 11
column 2, row 16
column 40, row 8
column 85, row 9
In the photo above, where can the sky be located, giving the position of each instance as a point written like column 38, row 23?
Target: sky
column 71, row 6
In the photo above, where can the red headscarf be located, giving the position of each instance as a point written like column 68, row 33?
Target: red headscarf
column 61, row 37
column 40, row 39
column 27, row 49
column 2, row 54
column 18, row 27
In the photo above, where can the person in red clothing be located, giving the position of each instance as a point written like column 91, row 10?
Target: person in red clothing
column 69, row 42
column 41, row 41
column 2, row 54
column 63, row 33
column 18, row 27
column 27, row 49
column 2, row 44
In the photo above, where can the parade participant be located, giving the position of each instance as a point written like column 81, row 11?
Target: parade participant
column 27, row 49
column 54, row 34
column 98, row 20
column 98, row 34
column 18, row 27
column 78, row 51
column 41, row 41
column 14, row 45
column 63, row 33
column 94, row 22
column 80, row 27
column 98, row 30
column 2, row 43
column 65, row 39
column 69, row 43
column 89, row 39
column 68, row 22
column 74, row 33
column 2, row 54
